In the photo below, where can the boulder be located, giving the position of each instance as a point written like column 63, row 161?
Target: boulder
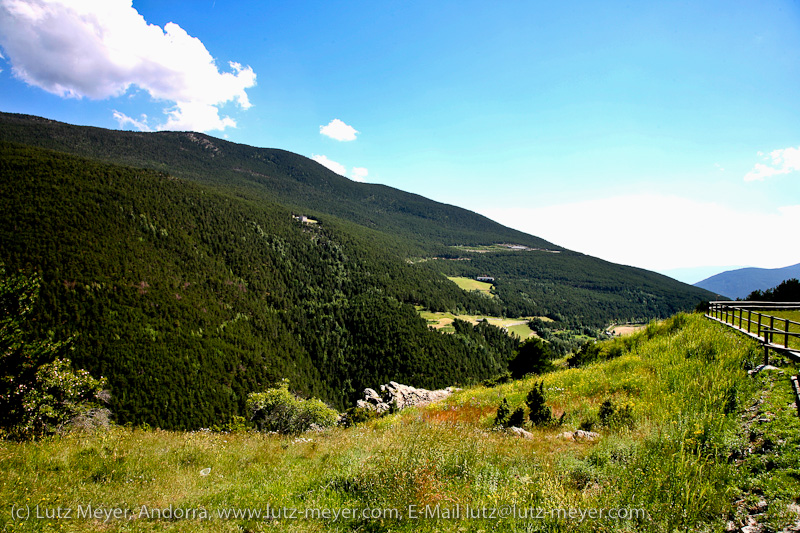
column 764, row 368
column 521, row 433
column 579, row 435
column 401, row 396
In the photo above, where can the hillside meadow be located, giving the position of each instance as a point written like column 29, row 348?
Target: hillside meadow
column 678, row 459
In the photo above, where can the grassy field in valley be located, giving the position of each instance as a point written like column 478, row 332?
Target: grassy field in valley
column 469, row 284
column 443, row 321
column 679, row 459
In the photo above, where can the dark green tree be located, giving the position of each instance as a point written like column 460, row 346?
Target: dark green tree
column 517, row 418
column 533, row 357
column 787, row 291
column 503, row 412
column 540, row 414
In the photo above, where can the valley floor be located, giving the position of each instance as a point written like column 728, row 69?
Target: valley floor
column 695, row 444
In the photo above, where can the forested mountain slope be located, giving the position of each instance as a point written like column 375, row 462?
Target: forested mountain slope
column 175, row 260
column 269, row 174
column 187, row 299
column 528, row 282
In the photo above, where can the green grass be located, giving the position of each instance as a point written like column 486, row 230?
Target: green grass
column 522, row 331
column 683, row 380
column 794, row 342
column 773, row 469
column 778, row 338
column 469, row 284
column 442, row 321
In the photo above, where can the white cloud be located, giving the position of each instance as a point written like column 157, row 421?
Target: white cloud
column 101, row 48
column 339, row 131
column 781, row 161
column 197, row 116
column 660, row 232
column 125, row 120
column 359, row 174
column 331, row 165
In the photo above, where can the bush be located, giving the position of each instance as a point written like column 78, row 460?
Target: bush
column 588, row 353
column 507, row 418
column 236, row 424
column 503, row 412
column 517, row 418
column 89, row 420
column 57, row 395
column 540, row 414
column 497, row 380
column 279, row 410
column 615, row 417
column 606, row 412
column 587, row 424
column 358, row 415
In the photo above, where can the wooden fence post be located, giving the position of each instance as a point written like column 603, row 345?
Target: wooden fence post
column 786, row 334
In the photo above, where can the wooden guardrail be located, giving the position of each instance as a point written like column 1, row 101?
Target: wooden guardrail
column 753, row 319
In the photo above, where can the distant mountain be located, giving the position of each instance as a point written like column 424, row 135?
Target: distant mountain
column 741, row 282
column 188, row 271
column 692, row 275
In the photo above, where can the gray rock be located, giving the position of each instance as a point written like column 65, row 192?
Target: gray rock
column 521, row 433
column 586, row 435
column 762, row 368
column 579, row 435
column 371, row 396
column 401, row 396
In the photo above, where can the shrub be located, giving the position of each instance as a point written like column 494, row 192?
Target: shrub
column 90, row 420
column 517, row 418
column 606, row 412
column 587, row 424
column 503, row 412
column 497, row 380
column 615, row 417
column 588, row 353
column 540, row 414
column 279, row 410
column 358, row 415
column 507, row 418
column 236, row 424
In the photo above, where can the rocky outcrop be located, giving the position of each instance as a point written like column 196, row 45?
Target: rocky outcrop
column 400, row 396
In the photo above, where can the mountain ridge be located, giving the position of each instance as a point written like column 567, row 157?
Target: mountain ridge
column 739, row 283
column 258, row 172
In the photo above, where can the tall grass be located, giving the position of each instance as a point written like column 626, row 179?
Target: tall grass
column 683, row 381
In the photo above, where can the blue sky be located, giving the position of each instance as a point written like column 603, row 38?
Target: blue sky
column 636, row 132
